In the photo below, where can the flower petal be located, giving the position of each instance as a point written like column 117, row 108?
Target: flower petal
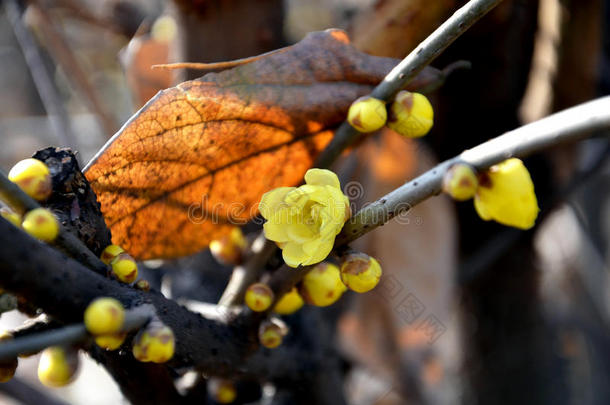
column 321, row 253
column 275, row 232
column 271, row 200
column 293, row 254
column 299, row 232
column 322, row 177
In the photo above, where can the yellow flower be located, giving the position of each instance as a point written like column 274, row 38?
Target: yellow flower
column 506, row 195
column 305, row 220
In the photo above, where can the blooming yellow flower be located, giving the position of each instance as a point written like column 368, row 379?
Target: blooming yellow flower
column 506, row 195
column 305, row 220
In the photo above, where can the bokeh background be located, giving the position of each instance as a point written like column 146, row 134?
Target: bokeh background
column 467, row 311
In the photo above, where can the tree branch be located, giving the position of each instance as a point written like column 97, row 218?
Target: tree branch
column 408, row 69
column 49, row 96
column 568, row 125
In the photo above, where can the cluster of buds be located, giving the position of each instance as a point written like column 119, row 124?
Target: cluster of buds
column 410, row 114
column 123, row 267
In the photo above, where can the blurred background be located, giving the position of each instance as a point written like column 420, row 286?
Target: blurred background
column 467, row 311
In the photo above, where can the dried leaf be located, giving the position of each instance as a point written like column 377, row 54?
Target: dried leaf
column 197, row 157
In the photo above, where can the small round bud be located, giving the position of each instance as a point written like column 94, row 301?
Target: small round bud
column 7, row 367
column 111, row 342
column 33, row 177
column 271, row 332
column 259, row 297
column 411, row 114
column 142, row 285
column 41, row 224
column 57, row 366
column 110, row 252
column 125, row 268
column 360, row 272
column 154, row 343
column 228, row 249
column 322, row 286
column 104, row 316
column 222, row 391
column 367, row 114
column 460, row 182
column 290, row 303
column 11, row 216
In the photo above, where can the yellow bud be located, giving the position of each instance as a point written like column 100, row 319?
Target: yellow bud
column 124, row 267
column 259, row 297
column 33, row 177
column 411, row 114
column 290, row 303
column 142, row 285
column 229, row 248
column 154, row 343
column 110, row 252
column 110, row 342
column 11, row 216
column 104, row 316
column 460, row 182
column 222, row 391
column 506, row 195
column 360, row 272
column 57, row 366
column 7, row 367
column 322, row 285
column 271, row 333
column 367, row 114
column 41, row 224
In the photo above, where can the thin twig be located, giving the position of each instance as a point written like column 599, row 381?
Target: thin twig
column 19, row 201
column 568, row 125
column 247, row 274
column 134, row 319
column 64, row 56
column 58, row 118
column 408, row 68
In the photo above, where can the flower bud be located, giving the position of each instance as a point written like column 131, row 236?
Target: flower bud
column 360, row 272
column 57, row 366
column 229, row 248
column 33, row 177
column 142, row 285
column 290, row 303
column 367, row 114
column 124, row 268
column 7, row 367
column 460, row 182
column 222, row 391
column 506, row 195
column 259, row 297
column 112, row 341
column 411, row 114
column 11, row 216
column 154, row 343
column 110, row 252
column 104, row 316
column 271, row 332
column 322, row 285
column 41, row 224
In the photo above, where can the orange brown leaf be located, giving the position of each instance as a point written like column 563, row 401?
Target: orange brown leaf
column 198, row 157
